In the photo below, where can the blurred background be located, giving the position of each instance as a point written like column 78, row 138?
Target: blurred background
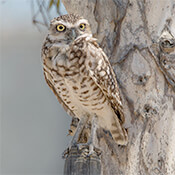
column 33, row 125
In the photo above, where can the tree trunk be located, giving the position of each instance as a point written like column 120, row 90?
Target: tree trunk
column 138, row 37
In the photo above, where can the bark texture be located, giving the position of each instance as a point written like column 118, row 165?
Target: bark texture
column 139, row 38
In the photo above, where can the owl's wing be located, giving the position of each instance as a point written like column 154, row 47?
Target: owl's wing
column 66, row 108
column 103, row 75
column 52, row 87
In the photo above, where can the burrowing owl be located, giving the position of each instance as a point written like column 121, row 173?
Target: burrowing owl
column 80, row 75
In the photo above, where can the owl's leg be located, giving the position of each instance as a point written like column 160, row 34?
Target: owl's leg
column 91, row 140
column 79, row 130
column 74, row 141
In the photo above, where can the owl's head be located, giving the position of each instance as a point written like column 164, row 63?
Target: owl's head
column 65, row 29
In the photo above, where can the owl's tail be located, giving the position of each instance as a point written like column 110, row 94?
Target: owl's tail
column 119, row 133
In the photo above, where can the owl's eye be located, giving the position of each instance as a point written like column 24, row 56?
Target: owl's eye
column 82, row 26
column 60, row 28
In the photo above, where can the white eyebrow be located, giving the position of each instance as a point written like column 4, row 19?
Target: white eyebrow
column 82, row 21
column 69, row 25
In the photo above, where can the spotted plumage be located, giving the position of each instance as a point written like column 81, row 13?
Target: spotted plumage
column 80, row 75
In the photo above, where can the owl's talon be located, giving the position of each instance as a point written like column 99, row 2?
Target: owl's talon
column 85, row 148
column 94, row 150
column 90, row 147
column 67, row 150
column 65, row 153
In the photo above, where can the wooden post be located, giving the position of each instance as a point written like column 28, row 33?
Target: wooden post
column 78, row 163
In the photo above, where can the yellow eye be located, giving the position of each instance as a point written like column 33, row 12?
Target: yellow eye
column 61, row 28
column 82, row 26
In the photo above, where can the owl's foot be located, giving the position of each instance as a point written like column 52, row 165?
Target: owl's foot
column 75, row 138
column 90, row 147
column 91, row 141
column 84, row 149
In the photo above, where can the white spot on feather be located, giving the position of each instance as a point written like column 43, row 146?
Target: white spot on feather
column 75, row 48
column 71, row 55
column 81, row 60
column 91, row 72
column 100, row 62
column 102, row 73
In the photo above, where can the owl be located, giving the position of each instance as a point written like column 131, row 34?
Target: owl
column 80, row 75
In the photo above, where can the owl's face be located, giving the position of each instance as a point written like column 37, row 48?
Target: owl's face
column 65, row 29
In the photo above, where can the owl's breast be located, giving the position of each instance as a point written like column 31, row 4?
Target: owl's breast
column 85, row 93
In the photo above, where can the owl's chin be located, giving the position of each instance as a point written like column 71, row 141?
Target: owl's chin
column 65, row 49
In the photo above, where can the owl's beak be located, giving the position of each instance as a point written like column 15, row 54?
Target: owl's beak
column 73, row 34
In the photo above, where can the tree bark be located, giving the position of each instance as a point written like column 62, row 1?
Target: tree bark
column 139, row 38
